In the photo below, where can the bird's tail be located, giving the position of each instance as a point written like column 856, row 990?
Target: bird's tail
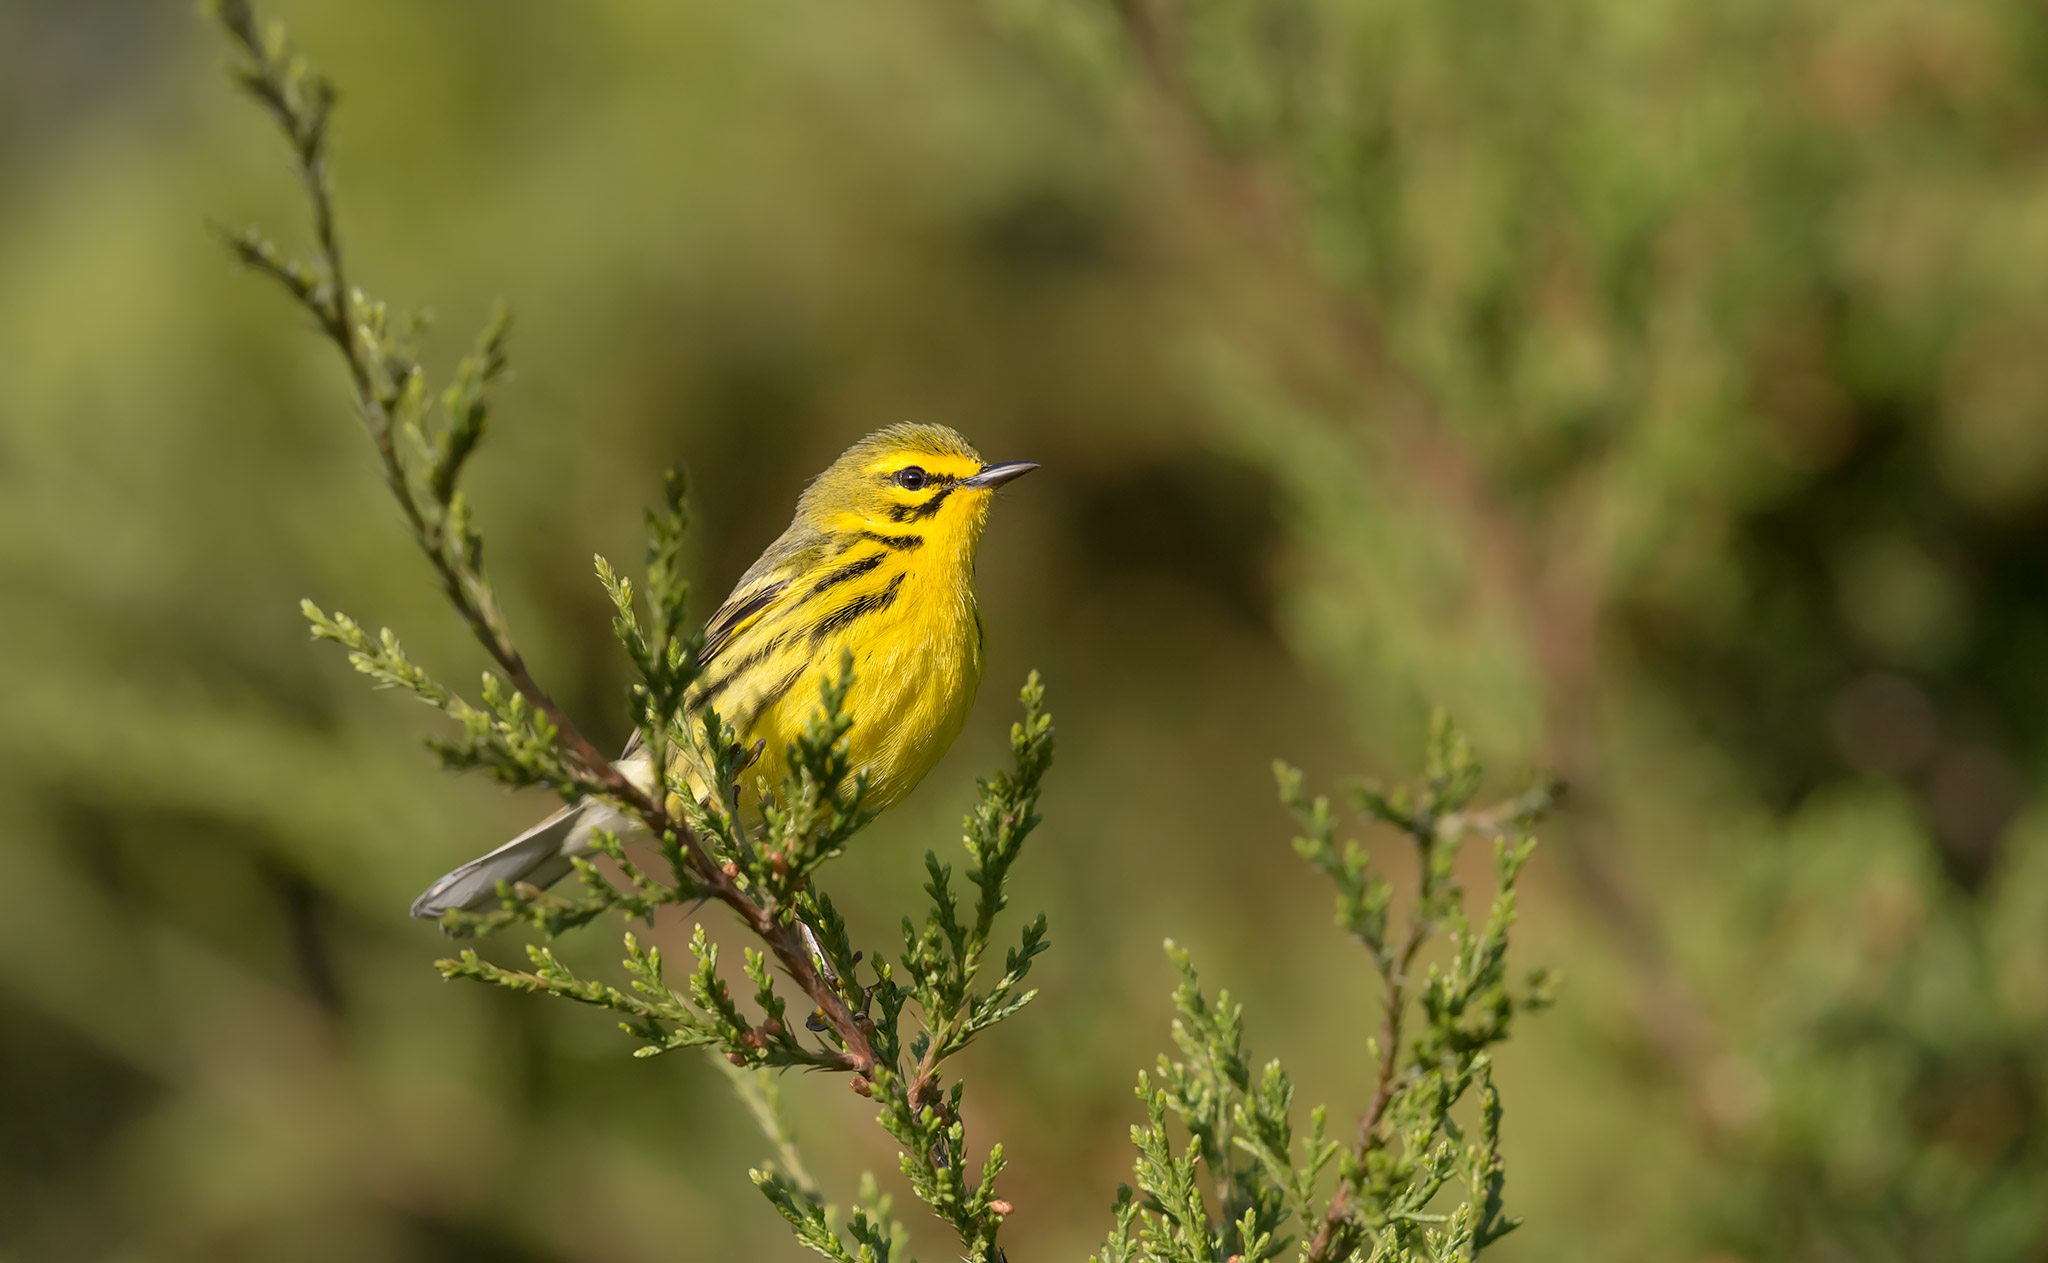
column 539, row 856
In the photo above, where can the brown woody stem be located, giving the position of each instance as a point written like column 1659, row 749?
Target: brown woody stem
column 332, row 306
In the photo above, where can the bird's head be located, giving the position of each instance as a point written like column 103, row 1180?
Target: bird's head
column 908, row 483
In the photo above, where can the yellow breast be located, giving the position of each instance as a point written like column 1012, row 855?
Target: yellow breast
column 909, row 618
column 917, row 665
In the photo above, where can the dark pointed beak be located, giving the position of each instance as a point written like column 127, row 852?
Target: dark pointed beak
column 993, row 476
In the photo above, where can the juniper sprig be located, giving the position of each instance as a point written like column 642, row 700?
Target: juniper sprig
column 1410, row 1149
column 1421, row 1180
column 517, row 734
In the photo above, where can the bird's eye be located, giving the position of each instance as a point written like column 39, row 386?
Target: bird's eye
column 911, row 478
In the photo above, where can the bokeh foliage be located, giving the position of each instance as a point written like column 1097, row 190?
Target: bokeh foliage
column 1655, row 384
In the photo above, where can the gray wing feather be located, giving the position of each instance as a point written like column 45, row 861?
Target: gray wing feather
column 540, row 855
column 534, row 856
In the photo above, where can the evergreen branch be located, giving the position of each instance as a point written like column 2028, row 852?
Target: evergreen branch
column 1227, row 1193
column 514, row 738
column 808, row 1216
column 1450, row 1054
column 1408, row 1147
column 944, row 963
column 387, row 384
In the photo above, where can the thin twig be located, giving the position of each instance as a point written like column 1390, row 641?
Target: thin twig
column 1554, row 611
column 300, row 101
column 764, row 1102
column 1394, row 973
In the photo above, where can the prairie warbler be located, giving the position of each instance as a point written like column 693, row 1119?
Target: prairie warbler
column 879, row 560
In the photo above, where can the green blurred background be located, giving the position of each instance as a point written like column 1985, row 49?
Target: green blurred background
column 1660, row 386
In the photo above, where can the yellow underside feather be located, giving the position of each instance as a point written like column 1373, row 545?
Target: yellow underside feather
column 878, row 562
column 901, row 599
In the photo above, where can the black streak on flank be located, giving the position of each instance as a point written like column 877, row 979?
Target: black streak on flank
column 740, row 668
column 772, row 696
column 899, row 543
column 833, row 578
column 854, row 610
column 919, row 512
column 851, row 570
column 723, row 623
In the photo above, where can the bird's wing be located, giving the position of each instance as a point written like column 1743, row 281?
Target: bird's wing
column 746, row 604
column 771, row 575
column 782, row 563
column 740, row 611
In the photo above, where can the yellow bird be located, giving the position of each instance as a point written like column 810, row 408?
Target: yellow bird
column 880, row 560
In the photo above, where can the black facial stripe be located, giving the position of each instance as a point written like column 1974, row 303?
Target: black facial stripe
column 919, row 512
column 856, row 609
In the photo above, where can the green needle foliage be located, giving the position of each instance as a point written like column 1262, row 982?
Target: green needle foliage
column 894, row 1030
column 517, row 734
column 1392, row 1196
